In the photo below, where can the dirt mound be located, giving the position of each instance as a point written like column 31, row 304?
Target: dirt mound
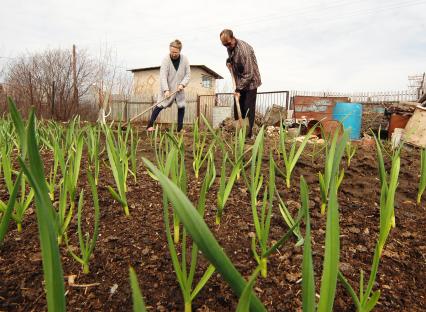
column 229, row 124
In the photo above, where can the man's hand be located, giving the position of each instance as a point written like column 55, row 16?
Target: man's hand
column 237, row 93
column 180, row 87
column 166, row 94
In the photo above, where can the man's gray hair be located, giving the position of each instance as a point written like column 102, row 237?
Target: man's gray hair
column 229, row 33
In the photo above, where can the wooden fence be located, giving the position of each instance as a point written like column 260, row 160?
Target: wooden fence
column 196, row 105
column 204, row 104
column 122, row 109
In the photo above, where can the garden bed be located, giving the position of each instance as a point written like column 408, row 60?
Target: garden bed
column 139, row 241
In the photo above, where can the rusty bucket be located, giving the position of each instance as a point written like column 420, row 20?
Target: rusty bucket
column 312, row 124
column 397, row 121
column 329, row 127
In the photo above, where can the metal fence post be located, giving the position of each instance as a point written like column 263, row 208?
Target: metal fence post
column 126, row 109
column 198, row 109
column 287, row 98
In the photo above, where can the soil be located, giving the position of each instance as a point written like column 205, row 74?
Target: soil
column 139, row 241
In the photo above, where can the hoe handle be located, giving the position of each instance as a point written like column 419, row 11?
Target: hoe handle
column 149, row 108
column 237, row 97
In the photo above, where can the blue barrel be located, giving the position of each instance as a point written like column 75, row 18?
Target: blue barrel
column 350, row 115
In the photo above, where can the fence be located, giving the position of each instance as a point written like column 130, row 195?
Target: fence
column 365, row 97
column 263, row 100
column 122, row 109
column 196, row 105
column 204, row 104
column 55, row 105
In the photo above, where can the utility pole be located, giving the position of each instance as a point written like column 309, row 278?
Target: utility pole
column 31, row 89
column 74, row 78
column 53, row 99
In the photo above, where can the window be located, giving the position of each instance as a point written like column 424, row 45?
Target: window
column 207, row 82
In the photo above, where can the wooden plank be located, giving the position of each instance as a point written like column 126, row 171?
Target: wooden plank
column 415, row 130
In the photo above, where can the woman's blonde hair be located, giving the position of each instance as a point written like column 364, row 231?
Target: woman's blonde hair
column 176, row 44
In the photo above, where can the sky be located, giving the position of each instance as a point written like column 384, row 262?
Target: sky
column 347, row 45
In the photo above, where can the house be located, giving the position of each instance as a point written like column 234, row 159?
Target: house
column 203, row 80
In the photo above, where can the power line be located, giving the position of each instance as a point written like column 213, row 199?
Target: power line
column 244, row 22
column 251, row 21
column 326, row 21
column 300, row 12
column 384, row 9
column 321, row 18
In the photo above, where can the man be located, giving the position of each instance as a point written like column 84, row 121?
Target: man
column 422, row 100
column 175, row 74
column 243, row 64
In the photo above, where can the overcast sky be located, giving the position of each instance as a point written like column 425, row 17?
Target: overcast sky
column 347, row 45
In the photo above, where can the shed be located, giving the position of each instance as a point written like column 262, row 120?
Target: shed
column 203, row 80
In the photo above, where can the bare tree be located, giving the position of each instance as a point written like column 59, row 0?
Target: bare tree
column 43, row 80
column 112, row 84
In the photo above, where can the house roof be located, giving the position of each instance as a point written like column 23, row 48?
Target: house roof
column 204, row 67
